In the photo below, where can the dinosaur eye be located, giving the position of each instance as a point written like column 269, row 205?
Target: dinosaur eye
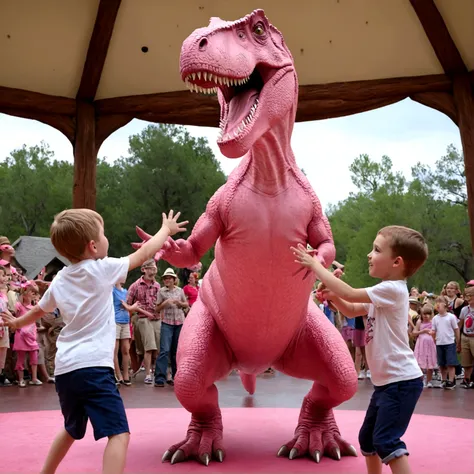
column 241, row 35
column 258, row 29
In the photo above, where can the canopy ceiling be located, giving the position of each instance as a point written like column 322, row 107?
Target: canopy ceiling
column 44, row 44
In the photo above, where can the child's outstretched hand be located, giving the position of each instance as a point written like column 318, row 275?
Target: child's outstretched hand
column 304, row 256
column 7, row 319
column 172, row 223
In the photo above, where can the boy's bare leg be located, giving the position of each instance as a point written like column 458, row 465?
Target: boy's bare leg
column 444, row 372
column 400, row 465
column 452, row 373
column 115, row 454
column 147, row 363
column 58, row 450
column 374, row 464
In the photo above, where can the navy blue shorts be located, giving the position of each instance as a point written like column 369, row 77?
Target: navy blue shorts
column 446, row 355
column 387, row 419
column 91, row 393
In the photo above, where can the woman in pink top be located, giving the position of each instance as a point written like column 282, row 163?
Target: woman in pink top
column 191, row 290
column 25, row 338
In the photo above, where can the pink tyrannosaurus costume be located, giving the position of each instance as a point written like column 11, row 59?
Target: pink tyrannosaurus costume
column 254, row 309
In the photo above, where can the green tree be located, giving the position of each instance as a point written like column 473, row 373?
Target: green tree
column 33, row 188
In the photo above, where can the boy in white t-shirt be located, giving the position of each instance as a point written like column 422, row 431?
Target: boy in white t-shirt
column 446, row 334
column 82, row 292
column 398, row 252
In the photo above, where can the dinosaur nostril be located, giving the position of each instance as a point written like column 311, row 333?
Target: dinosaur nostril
column 203, row 44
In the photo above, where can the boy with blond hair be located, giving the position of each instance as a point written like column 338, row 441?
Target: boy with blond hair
column 397, row 253
column 82, row 292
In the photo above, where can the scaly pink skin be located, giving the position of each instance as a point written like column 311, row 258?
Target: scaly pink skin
column 254, row 309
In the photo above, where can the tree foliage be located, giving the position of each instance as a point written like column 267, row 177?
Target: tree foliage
column 433, row 201
column 166, row 168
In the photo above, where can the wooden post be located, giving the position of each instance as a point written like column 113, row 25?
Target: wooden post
column 85, row 157
column 464, row 100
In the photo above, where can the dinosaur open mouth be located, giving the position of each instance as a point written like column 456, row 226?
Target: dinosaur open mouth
column 241, row 96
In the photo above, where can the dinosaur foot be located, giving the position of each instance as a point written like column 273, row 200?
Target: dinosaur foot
column 316, row 435
column 203, row 442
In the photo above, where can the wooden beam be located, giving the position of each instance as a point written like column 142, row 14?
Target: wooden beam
column 464, row 100
column 442, row 101
column 98, row 47
column 19, row 99
column 108, row 124
column 439, row 37
column 63, row 123
column 85, row 158
column 315, row 101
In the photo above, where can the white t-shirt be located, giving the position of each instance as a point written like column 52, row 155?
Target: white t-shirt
column 387, row 349
column 467, row 316
column 83, row 294
column 445, row 327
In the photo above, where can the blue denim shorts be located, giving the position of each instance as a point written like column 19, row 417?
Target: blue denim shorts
column 447, row 355
column 387, row 419
column 91, row 393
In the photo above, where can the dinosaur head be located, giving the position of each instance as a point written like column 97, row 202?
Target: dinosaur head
column 247, row 63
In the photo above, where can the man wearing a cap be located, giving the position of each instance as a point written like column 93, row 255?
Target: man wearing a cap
column 170, row 302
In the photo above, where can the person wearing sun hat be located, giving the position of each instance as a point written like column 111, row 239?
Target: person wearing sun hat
column 170, row 303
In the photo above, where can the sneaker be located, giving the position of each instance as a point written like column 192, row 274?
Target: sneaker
column 22, row 383
column 429, row 385
column 368, row 374
column 35, row 382
column 126, row 383
column 148, row 380
column 4, row 382
column 51, row 380
column 465, row 384
column 450, row 385
column 170, row 382
column 443, row 383
column 159, row 384
column 361, row 375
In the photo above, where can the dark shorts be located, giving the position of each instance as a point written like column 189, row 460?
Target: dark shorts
column 91, row 393
column 447, row 355
column 387, row 419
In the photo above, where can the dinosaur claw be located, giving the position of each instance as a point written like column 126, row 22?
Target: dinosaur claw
column 167, row 456
column 293, row 453
column 337, row 454
column 317, row 456
column 220, row 455
column 352, row 451
column 205, row 458
column 178, row 456
column 283, row 451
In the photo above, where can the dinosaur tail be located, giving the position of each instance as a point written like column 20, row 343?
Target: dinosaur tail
column 249, row 382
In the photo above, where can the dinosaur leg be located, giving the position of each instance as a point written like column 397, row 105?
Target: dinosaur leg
column 319, row 353
column 203, row 357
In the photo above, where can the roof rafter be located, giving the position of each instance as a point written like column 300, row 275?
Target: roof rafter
column 439, row 37
column 98, row 47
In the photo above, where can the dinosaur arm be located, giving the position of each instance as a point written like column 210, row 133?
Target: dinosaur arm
column 185, row 253
column 320, row 238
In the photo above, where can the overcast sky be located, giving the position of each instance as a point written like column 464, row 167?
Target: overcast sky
column 407, row 132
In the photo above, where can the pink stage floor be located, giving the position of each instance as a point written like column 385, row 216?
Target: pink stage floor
column 252, row 436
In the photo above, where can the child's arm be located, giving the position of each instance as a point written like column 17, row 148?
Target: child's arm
column 349, row 310
column 458, row 339
column 170, row 227
column 416, row 331
column 29, row 318
column 340, row 288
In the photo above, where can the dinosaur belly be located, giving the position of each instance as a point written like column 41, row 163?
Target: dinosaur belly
column 250, row 289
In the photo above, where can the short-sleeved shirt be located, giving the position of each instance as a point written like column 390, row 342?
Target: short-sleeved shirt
column 171, row 314
column 386, row 336
column 145, row 292
column 467, row 317
column 121, row 314
column 83, row 294
column 26, row 337
column 445, row 327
